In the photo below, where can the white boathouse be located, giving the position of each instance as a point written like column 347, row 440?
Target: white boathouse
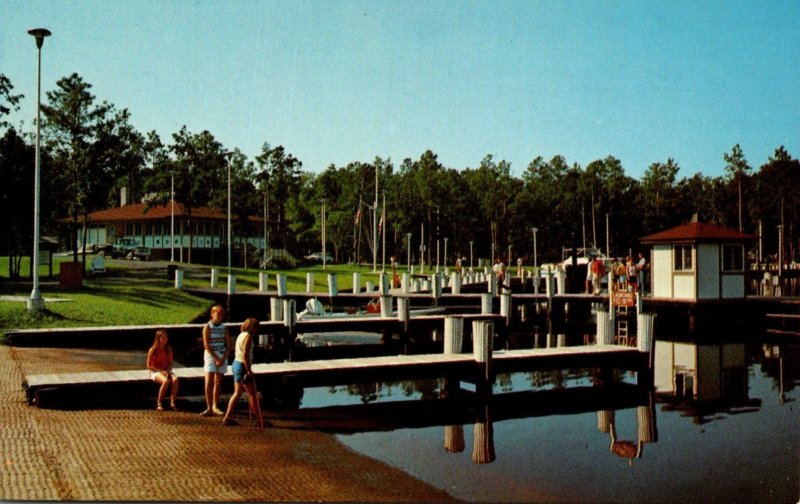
column 697, row 261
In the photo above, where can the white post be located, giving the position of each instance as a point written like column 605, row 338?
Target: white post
column 453, row 334
column 383, row 284
column 561, row 280
column 280, row 279
column 403, row 308
column 436, row 285
column 405, row 283
column 605, row 326
column 486, row 304
column 491, row 284
column 482, row 337
column 214, row 277
column 370, row 286
column 333, row 289
column 309, row 282
column 386, row 306
column 179, row 279
column 231, row 283
column 289, row 313
column 505, row 306
column 455, row 283
column 356, row 282
column 275, row 309
column 644, row 331
column 263, row 283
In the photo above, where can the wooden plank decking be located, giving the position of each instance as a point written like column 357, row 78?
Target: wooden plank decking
column 337, row 371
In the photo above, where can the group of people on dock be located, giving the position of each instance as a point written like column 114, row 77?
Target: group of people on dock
column 626, row 275
column 216, row 351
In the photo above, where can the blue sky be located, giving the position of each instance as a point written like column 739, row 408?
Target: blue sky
column 336, row 82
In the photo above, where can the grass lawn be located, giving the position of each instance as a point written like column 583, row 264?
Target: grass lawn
column 135, row 293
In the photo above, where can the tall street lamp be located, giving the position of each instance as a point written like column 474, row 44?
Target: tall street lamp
column 36, row 303
column 534, row 247
column 408, row 251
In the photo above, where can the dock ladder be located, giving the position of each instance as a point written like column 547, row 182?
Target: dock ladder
column 622, row 336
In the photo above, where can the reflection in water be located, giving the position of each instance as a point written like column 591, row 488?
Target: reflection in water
column 702, row 380
column 645, row 430
column 557, row 436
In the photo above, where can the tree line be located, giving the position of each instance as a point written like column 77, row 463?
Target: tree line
column 90, row 151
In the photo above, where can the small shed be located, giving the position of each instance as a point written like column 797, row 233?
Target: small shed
column 698, row 261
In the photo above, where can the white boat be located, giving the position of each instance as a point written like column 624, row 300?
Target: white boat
column 339, row 338
column 314, row 311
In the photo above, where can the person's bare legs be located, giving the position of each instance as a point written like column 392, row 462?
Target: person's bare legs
column 217, row 390
column 209, row 393
column 254, row 403
column 174, row 380
column 162, row 390
column 237, row 392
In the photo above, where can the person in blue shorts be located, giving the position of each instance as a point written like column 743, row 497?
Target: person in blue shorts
column 243, row 379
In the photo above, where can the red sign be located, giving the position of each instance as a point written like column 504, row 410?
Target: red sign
column 623, row 298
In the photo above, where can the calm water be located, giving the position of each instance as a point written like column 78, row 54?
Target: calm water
column 721, row 425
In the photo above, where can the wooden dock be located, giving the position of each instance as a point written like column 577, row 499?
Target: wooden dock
column 72, row 388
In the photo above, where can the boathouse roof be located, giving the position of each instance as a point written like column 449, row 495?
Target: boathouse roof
column 142, row 212
column 695, row 232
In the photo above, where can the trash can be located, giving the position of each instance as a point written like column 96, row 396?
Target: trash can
column 171, row 269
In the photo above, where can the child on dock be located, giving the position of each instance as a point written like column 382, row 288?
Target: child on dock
column 159, row 362
column 243, row 379
column 217, row 344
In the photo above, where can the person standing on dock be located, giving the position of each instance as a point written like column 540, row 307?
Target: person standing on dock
column 633, row 284
column 217, row 344
column 641, row 265
column 499, row 269
column 598, row 272
column 243, row 378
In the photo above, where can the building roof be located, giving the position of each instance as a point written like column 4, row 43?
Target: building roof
column 141, row 212
column 695, row 232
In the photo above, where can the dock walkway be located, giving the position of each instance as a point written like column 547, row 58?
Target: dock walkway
column 46, row 388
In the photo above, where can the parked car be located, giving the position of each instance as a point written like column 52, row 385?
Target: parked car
column 124, row 247
column 317, row 257
column 141, row 253
column 96, row 248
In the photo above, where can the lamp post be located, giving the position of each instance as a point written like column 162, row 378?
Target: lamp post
column 172, row 220
column 534, row 247
column 444, row 258
column 408, row 251
column 470, row 255
column 227, row 156
column 36, row 303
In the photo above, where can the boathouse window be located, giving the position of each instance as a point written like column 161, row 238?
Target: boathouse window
column 683, row 257
column 732, row 258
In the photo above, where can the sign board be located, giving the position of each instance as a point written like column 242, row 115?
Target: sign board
column 623, row 298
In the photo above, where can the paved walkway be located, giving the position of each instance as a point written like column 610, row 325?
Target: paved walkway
column 134, row 454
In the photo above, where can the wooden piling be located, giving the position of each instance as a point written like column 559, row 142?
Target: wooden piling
column 309, row 282
column 454, row 438
column 214, row 277
column 263, row 283
column 356, row 282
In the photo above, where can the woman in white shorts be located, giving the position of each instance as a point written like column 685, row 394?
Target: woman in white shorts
column 217, row 344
